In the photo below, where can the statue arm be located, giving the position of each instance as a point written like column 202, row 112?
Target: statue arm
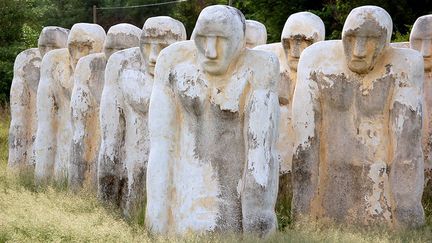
column 163, row 133
column 19, row 128
column 407, row 166
column 81, row 107
column 306, row 123
column 45, row 143
column 261, row 174
column 112, row 126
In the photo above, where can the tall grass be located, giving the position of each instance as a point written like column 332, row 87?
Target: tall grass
column 54, row 214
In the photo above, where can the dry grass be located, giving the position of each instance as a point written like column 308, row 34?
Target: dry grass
column 54, row 214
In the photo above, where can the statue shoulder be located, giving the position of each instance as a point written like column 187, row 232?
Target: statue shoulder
column 265, row 67
column 405, row 59
column 323, row 53
column 122, row 57
column 55, row 59
column 26, row 56
column 177, row 53
column 23, row 59
column 275, row 48
column 92, row 62
column 55, row 63
column 125, row 59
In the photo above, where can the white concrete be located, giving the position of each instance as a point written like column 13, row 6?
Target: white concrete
column 123, row 115
column 213, row 126
column 54, row 130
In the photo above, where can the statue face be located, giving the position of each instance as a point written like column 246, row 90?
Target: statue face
column 51, row 39
column 252, row 39
column 48, row 44
column 363, row 46
column 111, row 45
column 150, row 49
column 117, row 42
column 293, row 47
column 219, row 44
column 78, row 47
column 256, row 34
column 120, row 37
column 421, row 40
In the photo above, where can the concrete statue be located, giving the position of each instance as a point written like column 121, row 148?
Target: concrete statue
column 54, row 128
column 421, row 40
column 213, row 126
column 357, row 114
column 123, row 116
column 22, row 133
column 85, row 100
column 300, row 31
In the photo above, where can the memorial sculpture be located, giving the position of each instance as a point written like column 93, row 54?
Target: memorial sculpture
column 54, row 128
column 23, row 92
column 357, row 114
column 256, row 34
column 123, row 116
column 213, row 126
column 421, row 40
column 85, row 99
column 300, row 31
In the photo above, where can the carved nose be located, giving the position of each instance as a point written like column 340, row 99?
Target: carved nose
column 426, row 48
column 360, row 47
column 153, row 53
column 210, row 51
column 295, row 52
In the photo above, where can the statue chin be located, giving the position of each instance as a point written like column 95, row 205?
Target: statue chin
column 360, row 67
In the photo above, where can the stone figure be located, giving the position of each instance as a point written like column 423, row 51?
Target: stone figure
column 213, row 126
column 357, row 114
column 54, row 129
column 421, row 40
column 85, row 100
column 256, row 34
column 123, row 116
column 300, row 31
column 25, row 82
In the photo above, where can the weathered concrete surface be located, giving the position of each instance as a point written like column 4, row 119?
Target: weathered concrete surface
column 300, row 31
column 23, row 91
column 51, row 38
column 213, row 126
column 256, row 34
column 54, row 129
column 22, row 133
column 421, row 40
column 357, row 115
column 85, row 101
column 123, row 116
column 400, row 44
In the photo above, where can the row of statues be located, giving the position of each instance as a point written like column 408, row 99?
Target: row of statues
column 207, row 132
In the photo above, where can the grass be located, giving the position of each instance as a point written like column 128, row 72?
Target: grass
column 50, row 214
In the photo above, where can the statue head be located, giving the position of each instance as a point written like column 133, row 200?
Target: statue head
column 219, row 36
column 119, row 37
column 256, row 34
column 300, row 31
column 366, row 33
column 158, row 33
column 85, row 39
column 421, row 39
column 52, row 37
